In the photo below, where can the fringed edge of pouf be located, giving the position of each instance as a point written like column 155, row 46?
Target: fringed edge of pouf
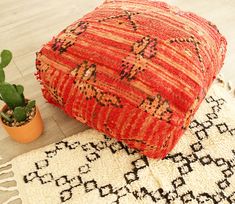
column 226, row 84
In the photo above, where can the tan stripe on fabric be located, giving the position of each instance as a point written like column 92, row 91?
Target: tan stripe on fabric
column 134, row 125
column 128, row 120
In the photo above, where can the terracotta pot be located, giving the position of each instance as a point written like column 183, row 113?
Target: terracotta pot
column 28, row 132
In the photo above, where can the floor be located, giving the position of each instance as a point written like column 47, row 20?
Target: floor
column 24, row 27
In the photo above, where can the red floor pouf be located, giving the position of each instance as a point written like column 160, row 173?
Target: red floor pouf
column 136, row 70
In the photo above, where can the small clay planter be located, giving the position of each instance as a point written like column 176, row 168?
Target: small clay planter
column 27, row 132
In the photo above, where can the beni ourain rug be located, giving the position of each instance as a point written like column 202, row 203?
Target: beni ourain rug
column 91, row 168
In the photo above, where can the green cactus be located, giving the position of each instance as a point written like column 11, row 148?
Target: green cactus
column 12, row 94
column 6, row 117
column 2, row 75
column 6, row 57
column 20, row 114
column 30, row 105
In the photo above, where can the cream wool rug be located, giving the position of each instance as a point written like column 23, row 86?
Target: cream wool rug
column 91, row 168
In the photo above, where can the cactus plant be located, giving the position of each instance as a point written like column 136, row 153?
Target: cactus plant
column 13, row 95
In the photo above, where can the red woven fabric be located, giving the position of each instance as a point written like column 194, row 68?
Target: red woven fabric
column 136, row 70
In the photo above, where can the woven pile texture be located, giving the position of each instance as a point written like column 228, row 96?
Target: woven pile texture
column 93, row 168
column 136, row 70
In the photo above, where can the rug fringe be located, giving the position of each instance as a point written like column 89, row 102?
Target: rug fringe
column 13, row 198
column 228, row 85
column 12, row 188
column 5, row 171
column 5, row 165
column 6, row 180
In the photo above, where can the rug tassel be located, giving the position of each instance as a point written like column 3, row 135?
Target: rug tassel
column 5, row 165
column 12, row 188
column 2, row 188
column 6, row 180
column 5, row 171
column 11, row 199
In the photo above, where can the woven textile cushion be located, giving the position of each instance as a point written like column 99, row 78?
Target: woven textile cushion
column 136, row 70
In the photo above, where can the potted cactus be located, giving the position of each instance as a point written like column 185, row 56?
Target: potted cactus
column 20, row 117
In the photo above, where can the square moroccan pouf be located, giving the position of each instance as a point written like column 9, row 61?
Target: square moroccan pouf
column 136, row 70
